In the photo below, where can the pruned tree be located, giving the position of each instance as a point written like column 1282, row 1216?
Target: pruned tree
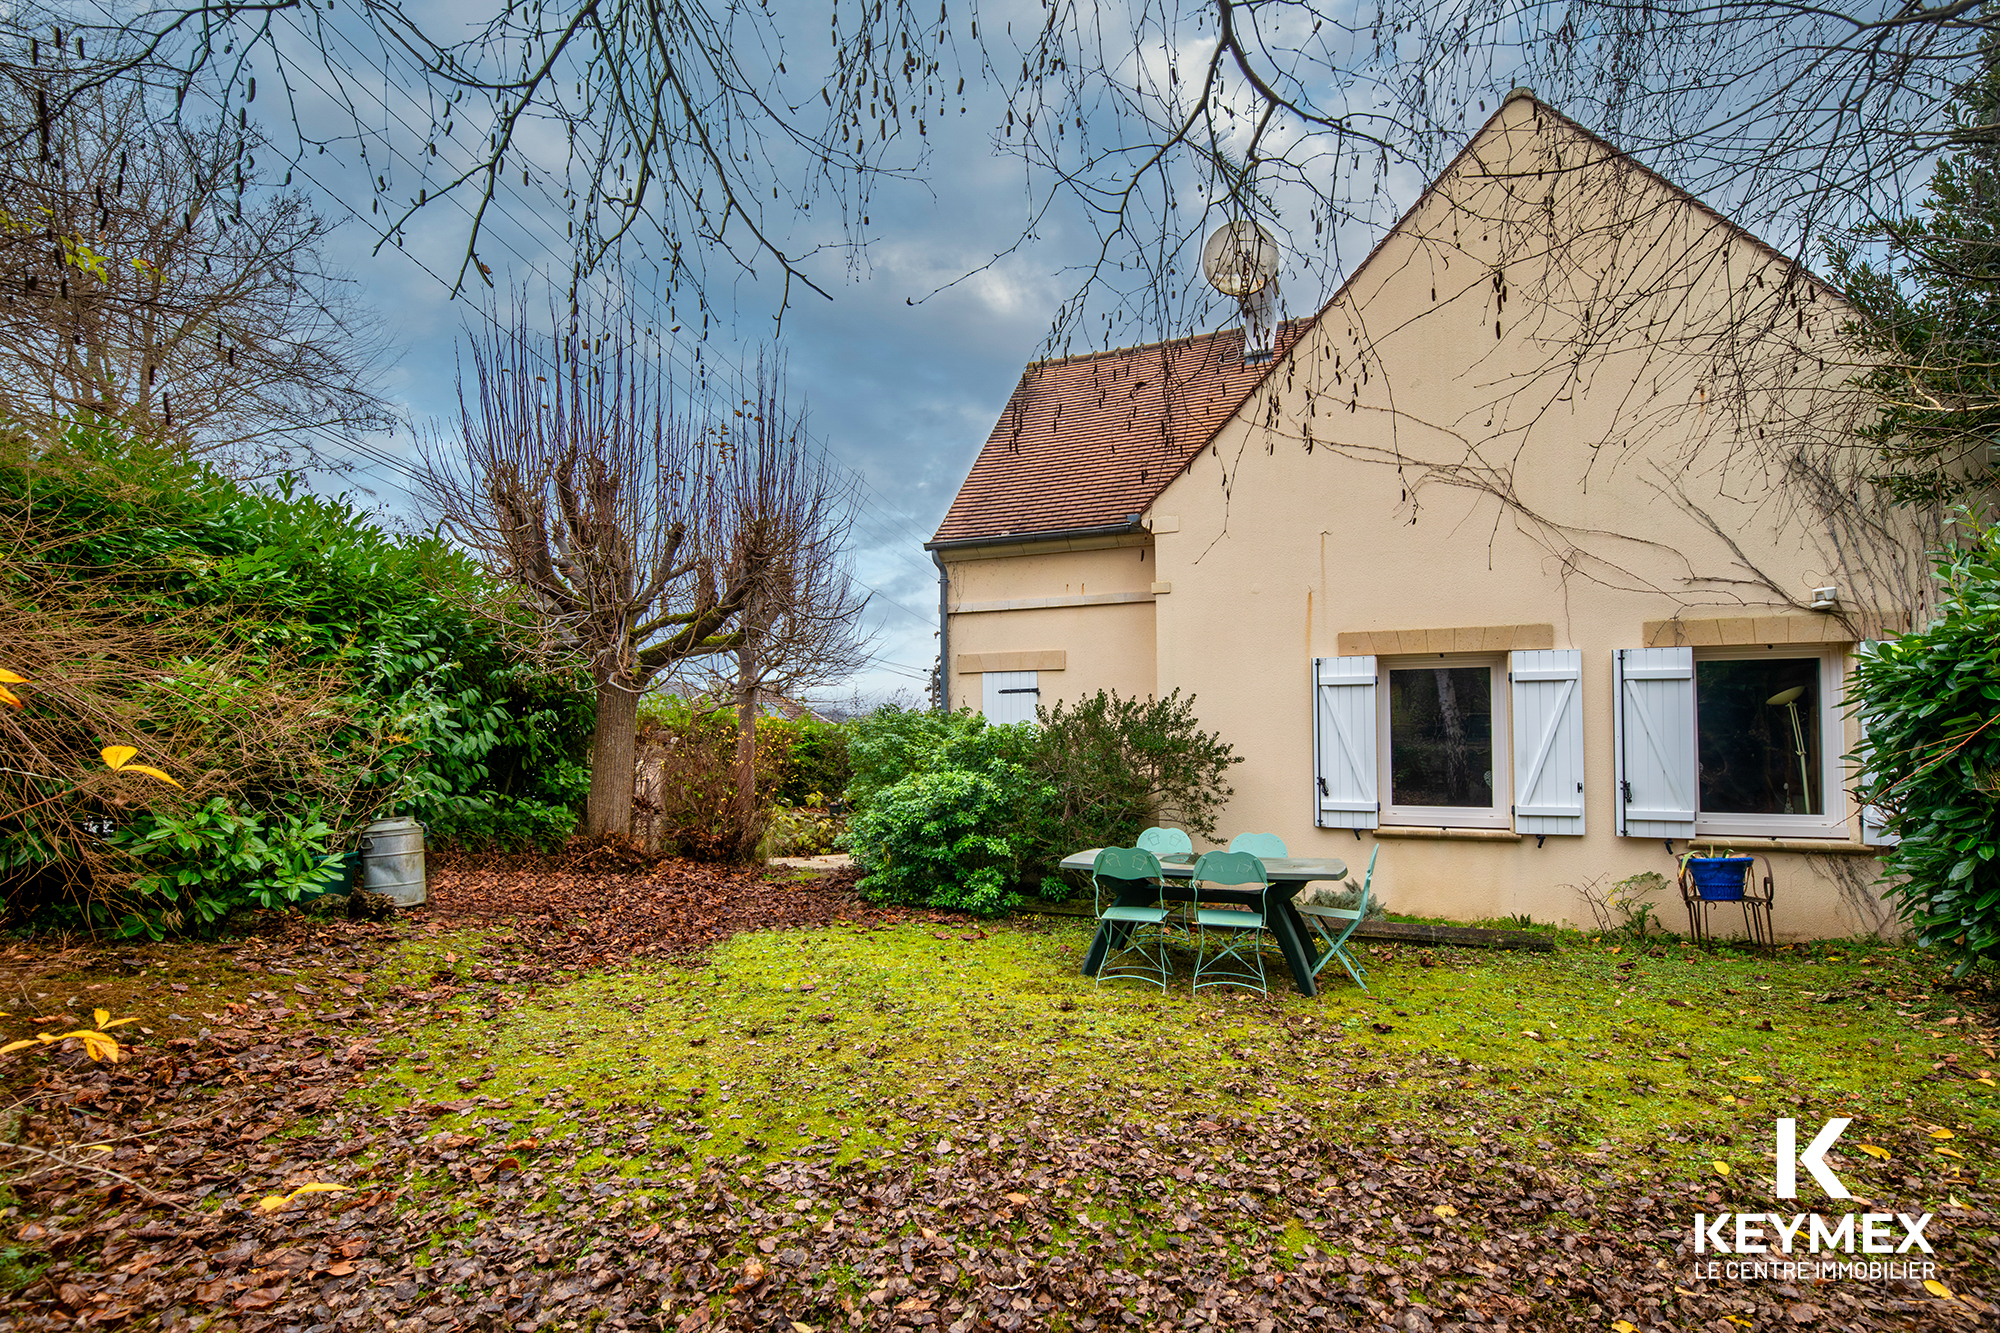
column 135, row 283
column 639, row 523
column 800, row 627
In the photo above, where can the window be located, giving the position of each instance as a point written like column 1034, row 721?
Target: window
column 1429, row 741
column 1008, row 696
column 1729, row 742
column 1443, row 759
column 1767, row 743
column 1758, row 736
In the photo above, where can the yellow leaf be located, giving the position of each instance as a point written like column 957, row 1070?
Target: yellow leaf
column 1735, row 1320
column 273, row 1202
column 1445, row 1210
column 17, row 1045
column 1938, row 1289
column 1943, row 1134
column 116, row 1022
column 1947, row 1152
column 1721, row 1168
column 1881, row 1154
column 102, row 1016
column 1988, row 1082
column 117, row 756
column 11, row 699
column 150, row 772
column 1753, row 1078
column 12, row 677
column 95, row 1044
column 1727, row 1098
column 1624, row 1326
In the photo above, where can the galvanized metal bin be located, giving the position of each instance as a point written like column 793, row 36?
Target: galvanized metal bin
column 392, row 860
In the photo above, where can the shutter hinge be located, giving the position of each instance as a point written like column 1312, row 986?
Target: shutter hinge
column 1626, row 783
column 1322, row 787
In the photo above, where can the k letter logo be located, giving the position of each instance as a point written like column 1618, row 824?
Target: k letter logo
column 1813, row 1158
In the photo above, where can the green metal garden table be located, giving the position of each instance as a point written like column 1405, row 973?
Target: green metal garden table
column 1288, row 874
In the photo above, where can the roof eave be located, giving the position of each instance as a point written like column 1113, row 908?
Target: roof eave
column 1131, row 525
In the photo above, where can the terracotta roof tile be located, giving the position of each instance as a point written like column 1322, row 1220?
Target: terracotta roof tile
column 1089, row 440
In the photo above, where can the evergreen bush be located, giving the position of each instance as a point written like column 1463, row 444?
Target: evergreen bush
column 1930, row 706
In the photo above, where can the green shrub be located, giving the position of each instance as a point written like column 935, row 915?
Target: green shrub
column 296, row 669
column 1930, row 704
column 800, row 831
column 943, row 839
column 1096, row 774
column 891, row 743
column 805, row 757
column 1118, row 766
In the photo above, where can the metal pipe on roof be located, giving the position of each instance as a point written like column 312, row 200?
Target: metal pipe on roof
column 944, row 634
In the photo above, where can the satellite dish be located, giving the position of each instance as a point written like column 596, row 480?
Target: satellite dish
column 1240, row 259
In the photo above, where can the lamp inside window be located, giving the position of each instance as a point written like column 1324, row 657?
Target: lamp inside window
column 1758, row 721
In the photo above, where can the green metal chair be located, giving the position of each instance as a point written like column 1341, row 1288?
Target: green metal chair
column 1259, row 844
column 1166, row 842
column 1239, row 963
column 1346, row 919
column 1131, row 949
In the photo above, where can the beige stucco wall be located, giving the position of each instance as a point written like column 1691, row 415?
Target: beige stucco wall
column 1092, row 600
column 1455, row 445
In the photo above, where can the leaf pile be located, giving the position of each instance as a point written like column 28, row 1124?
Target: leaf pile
column 1024, row 1215
column 582, row 916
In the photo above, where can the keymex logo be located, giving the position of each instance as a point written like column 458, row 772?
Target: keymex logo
column 1811, row 1234
column 1813, row 1159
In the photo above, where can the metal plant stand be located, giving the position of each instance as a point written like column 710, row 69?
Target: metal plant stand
column 1756, row 907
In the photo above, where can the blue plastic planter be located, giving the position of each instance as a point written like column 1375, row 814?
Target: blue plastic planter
column 1719, row 879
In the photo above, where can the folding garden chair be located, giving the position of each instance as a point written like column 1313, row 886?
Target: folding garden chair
column 1259, row 844
column 1345, row 919
column 1239, row 963
column 1135, row 937
column 1165, row 841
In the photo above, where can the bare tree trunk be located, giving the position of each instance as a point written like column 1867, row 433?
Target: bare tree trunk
column 747, row 701
column 613, row 761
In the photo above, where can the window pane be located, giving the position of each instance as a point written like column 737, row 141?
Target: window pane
column 1760, row 743
column 1441, row 736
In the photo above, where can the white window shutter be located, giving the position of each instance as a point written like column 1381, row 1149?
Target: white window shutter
column 1344, row 742
column 1657, row 770
column 1547, row 689
column 1008, row 696
column 1874, row 824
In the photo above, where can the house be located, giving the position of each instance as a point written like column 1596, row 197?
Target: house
column 1537, row 553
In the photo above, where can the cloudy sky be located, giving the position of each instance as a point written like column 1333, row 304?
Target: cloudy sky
column 903, row 381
